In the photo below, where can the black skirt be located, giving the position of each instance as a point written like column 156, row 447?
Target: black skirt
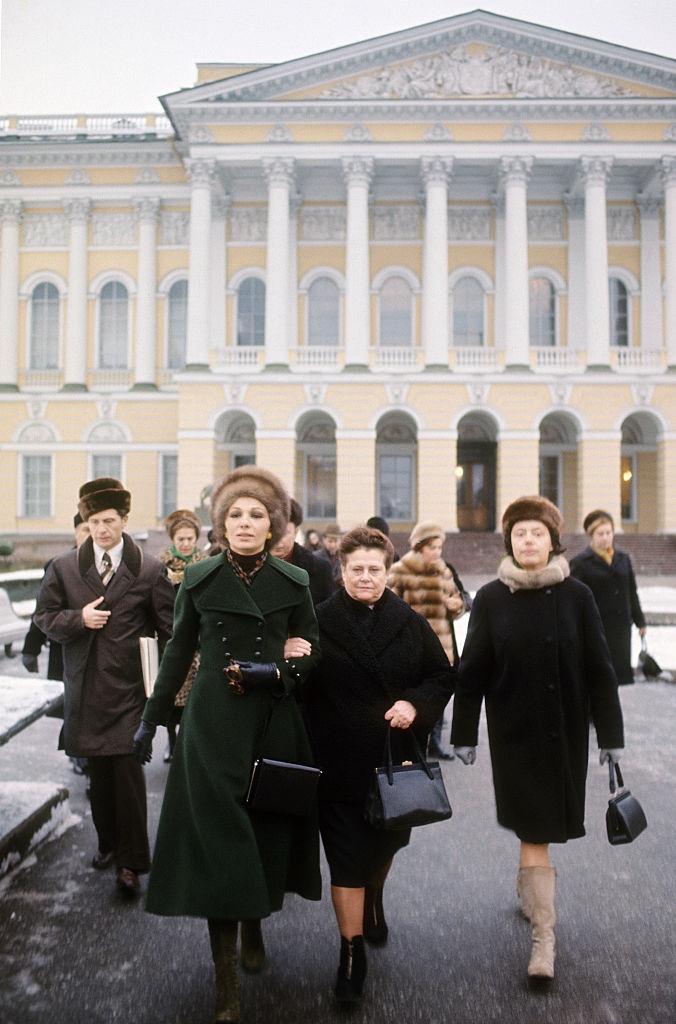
column 356, row 852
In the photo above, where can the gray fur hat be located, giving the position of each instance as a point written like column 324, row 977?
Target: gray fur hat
column 250, row 482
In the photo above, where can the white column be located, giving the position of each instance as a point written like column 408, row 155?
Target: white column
column 669, row 182
column 75, row 368
column 435, row 173
column 515, row 172
column 147, row 211
column 296, row 201
column 201, row 173
column 10, row 215
column 577, row 329
column 358, row 173
column 499, row 262
column 651, row 273
column 595, row 172
column 219, row 271
column 279, row 174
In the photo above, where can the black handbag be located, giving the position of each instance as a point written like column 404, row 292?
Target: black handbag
column 403, row 796
column 646, row 662
column 625, row 819
column 281, row 787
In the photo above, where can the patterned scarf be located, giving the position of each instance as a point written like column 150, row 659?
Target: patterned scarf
column 245, row 567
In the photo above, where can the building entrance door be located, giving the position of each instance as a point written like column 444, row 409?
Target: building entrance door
column 475, row 475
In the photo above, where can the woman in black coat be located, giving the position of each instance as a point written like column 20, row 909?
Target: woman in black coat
column 382, row 666
column 610, row 576
column 536, row 653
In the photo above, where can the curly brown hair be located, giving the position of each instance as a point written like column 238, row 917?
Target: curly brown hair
column 366, row 537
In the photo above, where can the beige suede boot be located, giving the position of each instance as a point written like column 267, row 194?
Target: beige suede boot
column 523, row 895
column 538, row 886
column 251, row 947
column 223, row 939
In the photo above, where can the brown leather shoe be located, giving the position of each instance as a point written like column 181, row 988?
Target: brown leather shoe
column 101, row 861
column 128, row 882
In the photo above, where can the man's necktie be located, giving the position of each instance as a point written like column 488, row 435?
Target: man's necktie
column 106, row 569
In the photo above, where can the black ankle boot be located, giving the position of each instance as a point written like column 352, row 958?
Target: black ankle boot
column 375, row 925
column 351, row 970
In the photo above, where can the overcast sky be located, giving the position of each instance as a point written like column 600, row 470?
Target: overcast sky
column 89, row 56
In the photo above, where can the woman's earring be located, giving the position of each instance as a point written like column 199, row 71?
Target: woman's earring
column 269, row 535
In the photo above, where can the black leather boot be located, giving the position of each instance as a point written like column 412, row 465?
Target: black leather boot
column 223, row 939
column 375, row 925
column 351, row 970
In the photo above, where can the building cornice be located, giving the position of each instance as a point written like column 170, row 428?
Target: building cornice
column 14, row 153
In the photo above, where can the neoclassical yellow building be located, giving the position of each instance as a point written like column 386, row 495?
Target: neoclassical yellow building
column 418, row 275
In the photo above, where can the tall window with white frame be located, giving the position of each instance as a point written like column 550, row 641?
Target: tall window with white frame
column 168, row 483
column 177, row 325
column 113, row 326
column 251, row 312
column 44, row 342
column 468, row 312
column 323, row 316
column 395, row 313
column 36, row 494
column 317, row 456
column 542, row 312
column 106, row 464
column 396, row 470
column 619, row 313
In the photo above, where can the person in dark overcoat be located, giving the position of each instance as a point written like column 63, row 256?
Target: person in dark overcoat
column 383, row 668
column 251, row 615
column 322, row 584
column 609, row 575
column 536, row 653
column 97, row 601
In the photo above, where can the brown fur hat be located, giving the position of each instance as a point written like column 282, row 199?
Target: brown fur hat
column 595, row 518
column 533, row 507
column 102, row 493
column 250, row 482
column 182, row 517
column 424, row 532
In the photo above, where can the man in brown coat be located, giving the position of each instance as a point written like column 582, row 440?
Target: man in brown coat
column 97, row 601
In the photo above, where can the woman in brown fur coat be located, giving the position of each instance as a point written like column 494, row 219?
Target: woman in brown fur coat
column 427, row 584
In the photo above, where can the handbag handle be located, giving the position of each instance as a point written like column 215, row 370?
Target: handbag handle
column 644, row 645
column 614, row 767
column 416, row 749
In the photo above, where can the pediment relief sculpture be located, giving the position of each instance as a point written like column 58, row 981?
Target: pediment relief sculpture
column 467, row 71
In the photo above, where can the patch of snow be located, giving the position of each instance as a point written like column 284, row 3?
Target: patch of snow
column 657, row 599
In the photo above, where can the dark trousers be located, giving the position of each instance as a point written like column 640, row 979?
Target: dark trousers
column 118, row 802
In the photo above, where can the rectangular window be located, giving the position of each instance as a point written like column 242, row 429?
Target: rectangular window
column 628, row 487
column 36, row 497
column 168, row 484
column 550, row 477
column 107, row 465
column 320, row 486
column 395, row 487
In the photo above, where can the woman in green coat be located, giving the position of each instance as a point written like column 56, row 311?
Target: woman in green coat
column 213, row 858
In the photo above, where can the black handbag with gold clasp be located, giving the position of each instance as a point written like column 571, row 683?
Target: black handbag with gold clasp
column 625, row 819
column 406, row 795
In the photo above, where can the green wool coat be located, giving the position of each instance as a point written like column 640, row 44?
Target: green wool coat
column 212, row 857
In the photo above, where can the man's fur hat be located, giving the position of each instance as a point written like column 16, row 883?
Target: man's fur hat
column 250, row 482
column 102, row 493
column 533, row 507
column 182, row 517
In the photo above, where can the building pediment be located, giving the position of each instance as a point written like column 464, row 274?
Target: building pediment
column 471, row 56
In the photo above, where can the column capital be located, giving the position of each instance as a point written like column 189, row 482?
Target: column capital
column 200, row 172
column 436, row 170
column 358, row 170
column 649, row 206
column 574, row 204
column 10, row 211
column 515, row 169
column 77, row 210
column 147, row 209
column 279, row 171
column 668, row 171
column 594, row 170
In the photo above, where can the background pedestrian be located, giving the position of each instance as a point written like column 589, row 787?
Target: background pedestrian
column 329, row 549
column 319, row 571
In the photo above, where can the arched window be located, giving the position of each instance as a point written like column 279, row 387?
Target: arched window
column 113, row 326
column 396, row 446
column 177, row 325
column 542, row 310
column 619, row 312
column 251, row 312
column 44, row 347
column 323, row 318
column 396, row 312
column 468, row 312
column 316, row 446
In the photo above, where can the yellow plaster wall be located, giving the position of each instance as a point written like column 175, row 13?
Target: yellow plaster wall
column 481, row 256
column 356, row 405
column 553, row 256
column 310, row 256
column 195, row 469
column 245, row 256
column 277, row 406
column 279, row 455
column 627, row 256
column 666, row 488
column 384, row 256
column 646, row 492
column 436, row 482
column 598, row 477
column 33, row 262
column 570, row 511
column 149, row 421
column 9, row 467
column 518, row 471
column 198, row 404
column 601, row 415
column 169, row 260
column 73, row 420
column 519, row 405
column 355, row 481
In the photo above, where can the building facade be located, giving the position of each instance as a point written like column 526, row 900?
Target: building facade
column 417, row 276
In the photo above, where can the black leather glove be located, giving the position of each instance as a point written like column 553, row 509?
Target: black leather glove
column 30, row 662
column 257, row 673
column 143, row 741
